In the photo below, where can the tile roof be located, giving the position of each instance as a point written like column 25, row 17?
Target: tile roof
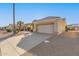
column 51, row 17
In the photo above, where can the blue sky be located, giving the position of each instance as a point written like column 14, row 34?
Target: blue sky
column 30, row 11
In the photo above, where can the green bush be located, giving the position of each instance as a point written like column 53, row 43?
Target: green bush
column 8, row 30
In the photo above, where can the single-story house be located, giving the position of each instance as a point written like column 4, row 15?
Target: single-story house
column 51, row 24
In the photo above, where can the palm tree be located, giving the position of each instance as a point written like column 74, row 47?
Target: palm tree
column 19, row 23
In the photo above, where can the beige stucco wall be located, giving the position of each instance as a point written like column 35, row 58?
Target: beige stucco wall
column 61, row 26
column 34, row 27
column 55, row 27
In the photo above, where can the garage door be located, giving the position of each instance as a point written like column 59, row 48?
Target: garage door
column 45, row 28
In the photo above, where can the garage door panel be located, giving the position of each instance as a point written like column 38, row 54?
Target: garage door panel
column 45, row 28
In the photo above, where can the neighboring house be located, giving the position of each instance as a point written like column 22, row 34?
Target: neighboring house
column 74, row 27
column 50, row 24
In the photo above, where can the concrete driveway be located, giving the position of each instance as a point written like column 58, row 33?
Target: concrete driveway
column 66, row 44
column 33, row 40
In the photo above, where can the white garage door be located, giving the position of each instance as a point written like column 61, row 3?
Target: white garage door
column 45, row 28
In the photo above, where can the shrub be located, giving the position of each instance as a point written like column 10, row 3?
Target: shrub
column 8, row 30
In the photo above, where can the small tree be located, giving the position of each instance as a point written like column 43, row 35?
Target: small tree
column 30, row 27
column 19, row 23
